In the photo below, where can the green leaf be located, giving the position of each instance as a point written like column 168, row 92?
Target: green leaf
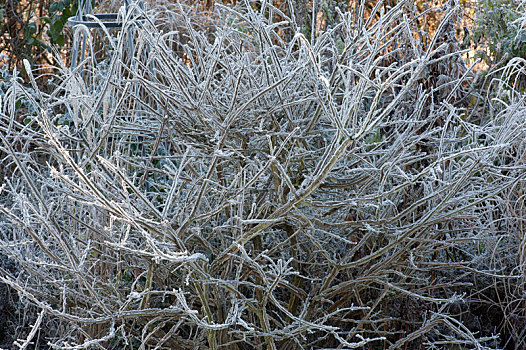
column 31, row 29
column 56, row 29
column 54, row 7
column 40, row 43
column 60, row 40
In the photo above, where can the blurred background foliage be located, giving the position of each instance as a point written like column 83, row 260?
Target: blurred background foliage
column 498, row 35
column 29, row 29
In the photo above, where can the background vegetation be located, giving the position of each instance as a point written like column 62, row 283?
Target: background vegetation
column 264, row 175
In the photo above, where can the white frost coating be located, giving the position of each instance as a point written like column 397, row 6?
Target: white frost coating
column 207, row 191
column 135, row 295
column 324, row 80
column 178, row 258
column 221, row 154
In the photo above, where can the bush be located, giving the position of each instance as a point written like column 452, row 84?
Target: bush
column 499, row 31
column 31, row 28
column 249, row 191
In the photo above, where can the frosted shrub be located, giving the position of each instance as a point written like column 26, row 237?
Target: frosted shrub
column 242, row 186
